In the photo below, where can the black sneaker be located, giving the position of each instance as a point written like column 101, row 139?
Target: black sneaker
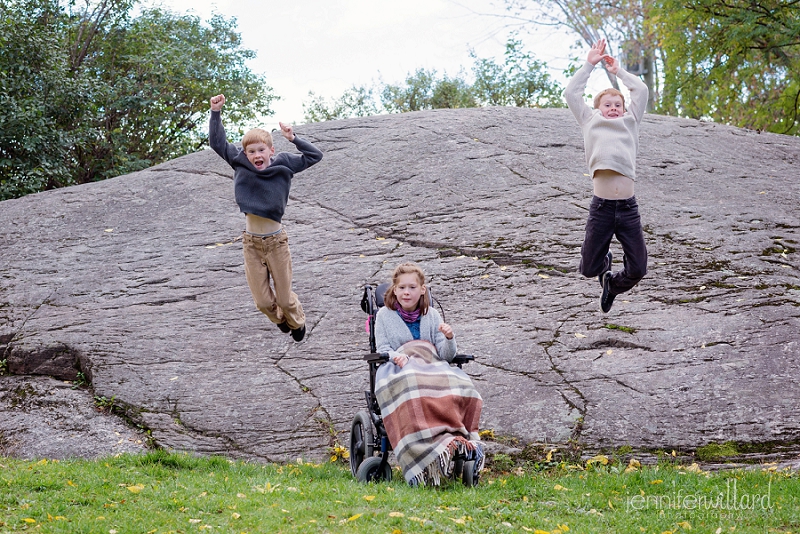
column 283, row 327
column 607, row 267
column 299, row 333
column 606, row 299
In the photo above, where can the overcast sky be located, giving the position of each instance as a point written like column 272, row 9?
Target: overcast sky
column 327, row 46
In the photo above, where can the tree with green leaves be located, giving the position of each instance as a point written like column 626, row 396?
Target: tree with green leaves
column 734, row 62
column 354, row 102
column 423, row 90
column 42, row 103
column 88, row 92
column 624, row 24
column 520, row 80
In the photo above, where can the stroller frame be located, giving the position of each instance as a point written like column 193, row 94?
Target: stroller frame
column 369, row 442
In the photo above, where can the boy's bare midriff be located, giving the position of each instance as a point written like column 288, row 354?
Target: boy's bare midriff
column 260, row 225
column 612, row 185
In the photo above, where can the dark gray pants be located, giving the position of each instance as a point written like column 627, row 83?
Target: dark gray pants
column 609, row 218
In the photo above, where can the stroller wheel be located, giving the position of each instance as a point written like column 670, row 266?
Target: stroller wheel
column 370, row 470
column 361, row 440
column 468, row 474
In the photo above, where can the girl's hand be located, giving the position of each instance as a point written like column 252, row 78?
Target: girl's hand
column 597, row 52
column 287, row 131
column 400, row 360
column 445, row 329
column 217, row 102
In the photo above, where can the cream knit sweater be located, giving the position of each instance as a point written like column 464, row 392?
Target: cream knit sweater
column 610, row 143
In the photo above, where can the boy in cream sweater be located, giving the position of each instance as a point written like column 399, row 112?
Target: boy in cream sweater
column 611, row 140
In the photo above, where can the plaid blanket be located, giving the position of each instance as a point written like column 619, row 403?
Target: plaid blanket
column 430, row 410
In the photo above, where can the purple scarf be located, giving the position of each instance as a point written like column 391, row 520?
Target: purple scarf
column 409, row 317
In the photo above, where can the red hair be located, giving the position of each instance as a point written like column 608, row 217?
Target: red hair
column 610, row 91
column 257, row 135
column 390, row 301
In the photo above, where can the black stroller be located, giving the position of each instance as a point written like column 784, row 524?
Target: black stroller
column 369, row 443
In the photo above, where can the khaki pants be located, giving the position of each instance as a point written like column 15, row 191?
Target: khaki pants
column 268, row 258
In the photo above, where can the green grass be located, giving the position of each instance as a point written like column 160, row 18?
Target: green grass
column 627, row 329
column 161, row 493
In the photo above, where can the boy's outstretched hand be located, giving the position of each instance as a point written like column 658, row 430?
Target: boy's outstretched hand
column 612, row 64
column 286, row 130
column 217, row 102
column 597, row 52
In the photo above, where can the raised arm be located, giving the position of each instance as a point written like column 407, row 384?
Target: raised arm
column 573, row 93
column 216, row 132
column 310, row 153
column 636, row 87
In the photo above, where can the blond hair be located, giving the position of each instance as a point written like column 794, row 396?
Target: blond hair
column 390, row 301
column 610, row 91
column 257, row 135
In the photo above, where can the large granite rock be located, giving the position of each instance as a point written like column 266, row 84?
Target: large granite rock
column 137, row 283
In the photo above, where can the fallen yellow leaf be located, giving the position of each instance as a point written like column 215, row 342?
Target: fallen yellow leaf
column 579, row 336
column 685, row 525
column 354, row 517
column 599, row 459
column 136, row 488
column 694, row 468
column 369, row 498
column 396, row 514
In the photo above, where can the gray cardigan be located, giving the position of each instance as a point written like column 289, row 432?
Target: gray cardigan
column 391, row 332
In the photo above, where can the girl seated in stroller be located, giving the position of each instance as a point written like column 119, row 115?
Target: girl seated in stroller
column 430, row 409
